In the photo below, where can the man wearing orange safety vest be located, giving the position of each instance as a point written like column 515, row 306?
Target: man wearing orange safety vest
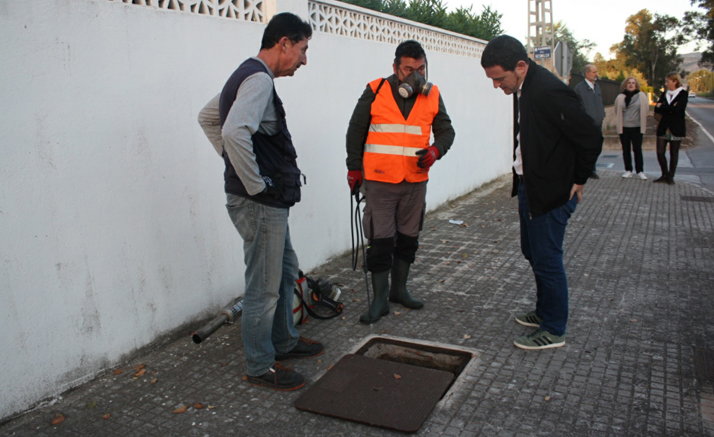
column 389, row 156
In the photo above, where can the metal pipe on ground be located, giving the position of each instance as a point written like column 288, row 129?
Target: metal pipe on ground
column 226, row 316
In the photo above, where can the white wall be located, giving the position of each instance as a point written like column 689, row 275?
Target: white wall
column 338, row 69
column 113, row 229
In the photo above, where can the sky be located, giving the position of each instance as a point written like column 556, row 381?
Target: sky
column 602, row 22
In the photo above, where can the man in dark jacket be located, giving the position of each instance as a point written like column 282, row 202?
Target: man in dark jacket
column 590, row 95
column 556, row 146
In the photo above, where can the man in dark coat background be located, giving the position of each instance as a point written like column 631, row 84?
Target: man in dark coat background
column 556, row 146
column 590, row 95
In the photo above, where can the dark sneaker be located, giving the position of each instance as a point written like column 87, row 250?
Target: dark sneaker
column 539, row 339
column 529, row 319
column 594, row 176
column 278, row 377
column 305, row 348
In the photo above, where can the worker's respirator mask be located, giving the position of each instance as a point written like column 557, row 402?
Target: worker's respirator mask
column 415, row 82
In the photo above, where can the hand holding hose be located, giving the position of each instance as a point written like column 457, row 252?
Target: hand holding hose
column 354, row 179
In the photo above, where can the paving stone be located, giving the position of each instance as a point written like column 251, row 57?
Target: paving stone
column 640, row 263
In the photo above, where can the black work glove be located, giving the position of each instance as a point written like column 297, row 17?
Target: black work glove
column 273, row 187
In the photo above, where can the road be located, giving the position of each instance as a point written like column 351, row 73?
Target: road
column 696, row 165
column 702, row 157
column 702, row 110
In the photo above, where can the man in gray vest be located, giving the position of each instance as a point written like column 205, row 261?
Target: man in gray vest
column 246, row 125
column 590, row 95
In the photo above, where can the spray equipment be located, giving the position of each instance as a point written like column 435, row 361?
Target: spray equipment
column 226, row 316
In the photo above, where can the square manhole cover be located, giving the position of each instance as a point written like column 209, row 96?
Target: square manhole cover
column 377, row 392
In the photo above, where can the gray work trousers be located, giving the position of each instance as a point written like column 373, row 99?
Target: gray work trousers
column 392, row 208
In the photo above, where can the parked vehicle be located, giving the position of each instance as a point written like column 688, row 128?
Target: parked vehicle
column 692, row 95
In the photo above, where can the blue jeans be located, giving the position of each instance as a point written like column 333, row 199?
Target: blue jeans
column 270, row 275
column 542, row 245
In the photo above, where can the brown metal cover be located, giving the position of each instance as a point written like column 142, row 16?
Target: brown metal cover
column 377, row 392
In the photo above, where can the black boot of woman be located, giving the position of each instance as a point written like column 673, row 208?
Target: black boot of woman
column 662, row 160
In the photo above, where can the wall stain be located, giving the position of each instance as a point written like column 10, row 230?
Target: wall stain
column 90, row 315
column 43, row 144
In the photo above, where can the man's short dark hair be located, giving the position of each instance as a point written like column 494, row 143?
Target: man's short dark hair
column 285, row 24
column 504, row 51
column 410, row 49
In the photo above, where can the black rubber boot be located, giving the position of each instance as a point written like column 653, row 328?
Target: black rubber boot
column 398, row 292
column 379, row 306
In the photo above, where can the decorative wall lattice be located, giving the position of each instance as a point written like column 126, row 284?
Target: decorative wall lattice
column 248, row 10
column 337, row 18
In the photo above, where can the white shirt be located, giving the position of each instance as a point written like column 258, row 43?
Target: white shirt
column 671, row 95
column 518, row 162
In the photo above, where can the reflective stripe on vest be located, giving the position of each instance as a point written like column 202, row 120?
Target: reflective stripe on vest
column 392, row 142
column 390, row 150
column 395, row 128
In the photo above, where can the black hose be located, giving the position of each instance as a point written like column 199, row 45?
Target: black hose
column 356, row 223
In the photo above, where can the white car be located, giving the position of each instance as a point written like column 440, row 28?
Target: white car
column 692, row 95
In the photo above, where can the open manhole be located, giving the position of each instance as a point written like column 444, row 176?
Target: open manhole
column 390, row 383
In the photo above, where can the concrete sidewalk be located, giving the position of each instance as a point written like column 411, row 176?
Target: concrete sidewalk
column 639, row 358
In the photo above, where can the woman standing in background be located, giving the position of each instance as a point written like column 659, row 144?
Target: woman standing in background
column 671, row 127
column 631, row 107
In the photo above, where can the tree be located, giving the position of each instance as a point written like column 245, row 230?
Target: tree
column 431, row 12
column 701, row 81
column 579, row 49
column 486, row 26
column 617, row 70
column 700, row 27
column 650, row 45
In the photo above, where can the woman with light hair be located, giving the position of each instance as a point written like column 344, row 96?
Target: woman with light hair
column 671, row 128
column 631, row 108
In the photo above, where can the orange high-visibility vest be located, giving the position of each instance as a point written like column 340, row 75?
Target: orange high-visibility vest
column 392, row 142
